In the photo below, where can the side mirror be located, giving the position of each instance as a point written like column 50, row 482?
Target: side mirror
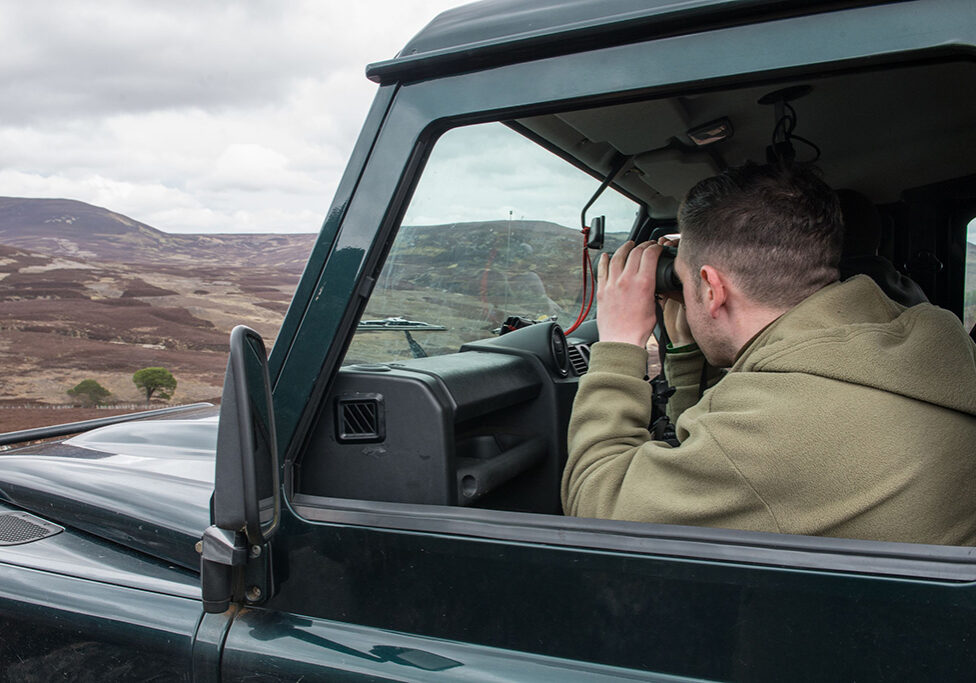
column 246, row 506
column 246, row 495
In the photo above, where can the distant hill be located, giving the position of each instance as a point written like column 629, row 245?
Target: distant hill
column 969, row 298
column 455, row 256
column 90, row 293
column 73, row 229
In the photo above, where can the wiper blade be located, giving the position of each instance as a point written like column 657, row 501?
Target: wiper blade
column 398, row 324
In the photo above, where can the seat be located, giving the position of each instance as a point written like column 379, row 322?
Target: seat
column 862, row 236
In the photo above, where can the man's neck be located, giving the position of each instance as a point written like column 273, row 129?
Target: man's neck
column 754, row 326
column 754, row 319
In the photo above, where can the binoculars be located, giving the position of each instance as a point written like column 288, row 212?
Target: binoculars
column 666, row 280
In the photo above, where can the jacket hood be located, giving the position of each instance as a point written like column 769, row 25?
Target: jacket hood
column 851, row 332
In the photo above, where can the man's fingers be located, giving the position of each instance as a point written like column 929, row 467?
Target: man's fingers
column 626, row 311
column 620, row 258
column 649, row 259
column 602, row 267
column 636, row 257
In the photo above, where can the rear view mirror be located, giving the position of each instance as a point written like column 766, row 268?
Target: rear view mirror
column 246, row 503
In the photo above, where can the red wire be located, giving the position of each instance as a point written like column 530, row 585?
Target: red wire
column 589, row 284
column 592, row 286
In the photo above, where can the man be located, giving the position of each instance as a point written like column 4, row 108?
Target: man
column 842, row 413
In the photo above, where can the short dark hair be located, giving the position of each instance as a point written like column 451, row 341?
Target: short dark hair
column 776, row 228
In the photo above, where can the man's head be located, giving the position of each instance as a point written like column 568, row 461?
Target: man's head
column 776, row 229
column 755, row 241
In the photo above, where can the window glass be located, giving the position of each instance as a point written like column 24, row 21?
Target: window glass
column 969, row 301
column 493, row 231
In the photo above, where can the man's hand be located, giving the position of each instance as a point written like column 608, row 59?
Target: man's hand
column 625, row 293
column 676, row 323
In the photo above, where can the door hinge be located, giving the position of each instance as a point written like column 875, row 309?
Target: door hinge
column 220, row 551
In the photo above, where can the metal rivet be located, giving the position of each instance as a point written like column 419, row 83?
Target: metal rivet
column 199, row 547
column 253, row 594
column 255, row 551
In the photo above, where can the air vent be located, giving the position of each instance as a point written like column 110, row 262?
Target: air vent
column 22, row 527
column 360, row 418
column 579, row 358
column 557, row 346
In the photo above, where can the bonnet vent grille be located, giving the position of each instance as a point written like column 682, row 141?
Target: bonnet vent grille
column 579, row 358
column 21, row 527
column 360, row 418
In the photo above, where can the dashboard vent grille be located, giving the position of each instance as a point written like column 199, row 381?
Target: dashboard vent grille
column 360, row 418
column 21, row 527
column 579, row 358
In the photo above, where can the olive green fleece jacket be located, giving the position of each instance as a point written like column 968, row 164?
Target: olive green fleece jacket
column 848, row 416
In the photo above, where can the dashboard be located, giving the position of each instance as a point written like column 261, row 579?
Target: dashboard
column 483, row 427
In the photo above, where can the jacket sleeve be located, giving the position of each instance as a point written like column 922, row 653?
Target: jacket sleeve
column 616, row 471
column 683, row 369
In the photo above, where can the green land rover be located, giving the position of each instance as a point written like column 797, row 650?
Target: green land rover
column 384, row 499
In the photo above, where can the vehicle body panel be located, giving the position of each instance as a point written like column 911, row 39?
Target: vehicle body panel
column 281, row 647
column 483, row 35
column 682, row 616
column 74, row 606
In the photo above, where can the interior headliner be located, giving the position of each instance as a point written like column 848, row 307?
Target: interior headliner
column 880, row 132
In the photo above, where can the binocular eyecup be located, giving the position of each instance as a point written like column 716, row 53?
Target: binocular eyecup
column 666, row 280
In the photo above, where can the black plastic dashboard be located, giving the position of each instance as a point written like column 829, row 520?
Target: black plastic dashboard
column 483, row 427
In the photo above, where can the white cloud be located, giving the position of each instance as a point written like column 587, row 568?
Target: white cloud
column 485, row 171
column 254, row 168
column 192, row 116
column 99, row 190
column 236, row 117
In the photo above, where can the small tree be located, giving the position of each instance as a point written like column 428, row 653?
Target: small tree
column 89, row 392
column 159, row 381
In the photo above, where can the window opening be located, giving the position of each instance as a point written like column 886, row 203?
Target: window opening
column 969, row 295
column 492, row 232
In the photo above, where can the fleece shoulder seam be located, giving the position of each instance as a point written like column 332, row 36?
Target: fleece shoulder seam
column 762, row 363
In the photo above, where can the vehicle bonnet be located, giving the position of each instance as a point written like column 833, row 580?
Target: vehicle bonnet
column 145, row 484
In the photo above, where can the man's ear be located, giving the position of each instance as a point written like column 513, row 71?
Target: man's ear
column 715, row 290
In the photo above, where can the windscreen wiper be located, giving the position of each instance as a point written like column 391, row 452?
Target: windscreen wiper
column 398, row 324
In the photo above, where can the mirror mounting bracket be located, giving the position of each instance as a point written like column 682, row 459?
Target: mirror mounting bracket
column 233, row 571
column 223, row 547
column 258, row 576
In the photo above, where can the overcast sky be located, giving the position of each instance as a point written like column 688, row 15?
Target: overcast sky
column 192, row 116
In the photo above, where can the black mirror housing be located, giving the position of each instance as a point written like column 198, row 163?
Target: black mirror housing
column 246, row 490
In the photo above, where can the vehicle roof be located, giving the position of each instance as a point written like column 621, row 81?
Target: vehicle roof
column 493, row 32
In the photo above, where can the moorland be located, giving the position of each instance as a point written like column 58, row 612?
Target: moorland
column 88, row 293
